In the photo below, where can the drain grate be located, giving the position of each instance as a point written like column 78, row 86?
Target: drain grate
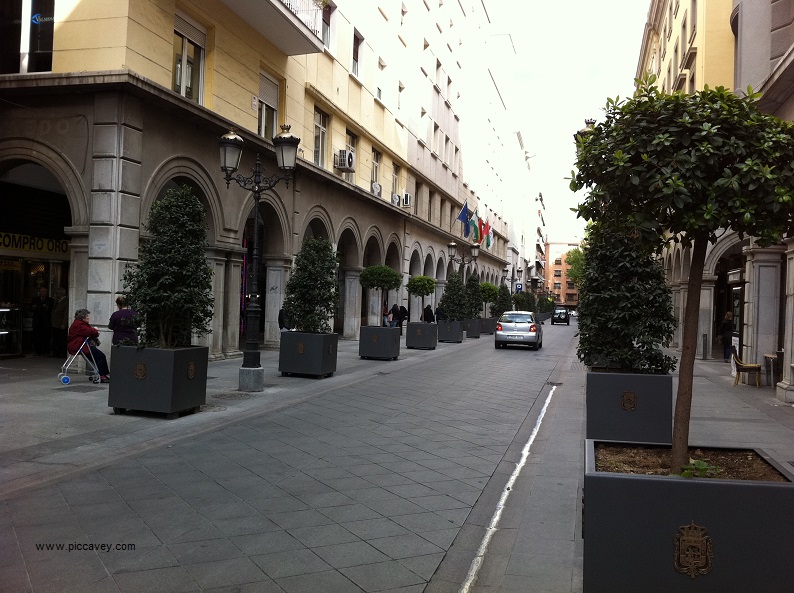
column 553, row 384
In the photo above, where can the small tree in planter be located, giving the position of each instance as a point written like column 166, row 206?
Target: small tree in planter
column 375, row 341
column 503, row 302
column 523, row 301
column 310, row 300
column 473, row 306
column 171, row 290
column 453, row 303
column 421, row 335
column 490, row 293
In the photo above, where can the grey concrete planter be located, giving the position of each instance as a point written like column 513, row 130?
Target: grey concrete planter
column 303, row 353
column 487, row 325
column 382, row 343
column 421, row 335
column 472, row 328
column 450, row 331
column 629, row 407
column 658, row 534
column 167, row 381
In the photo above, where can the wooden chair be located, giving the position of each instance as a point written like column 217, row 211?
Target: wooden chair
column 743, row 367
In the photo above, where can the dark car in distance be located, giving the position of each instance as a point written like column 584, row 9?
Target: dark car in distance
column 561, row 315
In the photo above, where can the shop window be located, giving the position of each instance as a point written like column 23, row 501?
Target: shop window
column 26, row 33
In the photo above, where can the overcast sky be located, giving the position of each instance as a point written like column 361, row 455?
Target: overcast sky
column 572, row 56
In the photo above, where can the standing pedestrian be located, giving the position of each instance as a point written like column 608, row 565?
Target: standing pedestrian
column 42, row 306
column 428, row 316
column 440, row 315
column 122, row 322
column 60, row 323
column 726, row 335
column 394, row 314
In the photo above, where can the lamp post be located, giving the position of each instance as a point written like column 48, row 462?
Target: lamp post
column 452, row 250
column 252, row 376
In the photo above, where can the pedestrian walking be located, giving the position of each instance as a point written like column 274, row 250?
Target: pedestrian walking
column 428, row 316
column 726, row 335
column 394, row 315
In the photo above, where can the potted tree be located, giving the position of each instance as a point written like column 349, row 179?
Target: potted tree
column 503, row 302
column 685, row 168
column 375, row 341
column 310, row 299
column 453, row 303
column 626, row 319
column 471, row 323
column 490, row 293
column 421, row 335
column 170, row 288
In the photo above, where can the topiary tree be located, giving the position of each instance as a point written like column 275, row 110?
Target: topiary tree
column 473, row 297
column 685, row 168
column 490, row 292
column 503, row 302
column 625, row 307
column 171, row 285
column 312, row 291
column 381, row 277
column 453, row 301
column 421, row 286
column 523, row 301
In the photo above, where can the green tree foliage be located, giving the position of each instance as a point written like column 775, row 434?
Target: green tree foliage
column 312, row 291
column 625, row 308
column 473, row 297
column 490, row 292
column 684, row 168
column 503, row 302
column 381, row 277
column 171, row 285
column 574, row 259
column 453, row 301
column 421, row 286
column 524, row 301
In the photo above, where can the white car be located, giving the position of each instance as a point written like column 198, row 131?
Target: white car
column 518, row 327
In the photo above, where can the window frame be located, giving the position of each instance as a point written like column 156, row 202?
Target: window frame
column 376, row 159
column 266, row 81
column 320, row 136
column 195, row 34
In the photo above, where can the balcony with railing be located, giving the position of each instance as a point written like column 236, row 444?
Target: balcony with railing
column 293, row 26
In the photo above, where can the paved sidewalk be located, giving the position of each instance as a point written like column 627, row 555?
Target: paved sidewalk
column 384, row 477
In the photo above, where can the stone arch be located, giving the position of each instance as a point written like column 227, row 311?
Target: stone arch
column 373, row 252
column 349, row 244
column 724, row 244
column 441, row 269
column 429, row 268
column 393, row 253
column 15, row 152
column 318, row 224
column 677, row 263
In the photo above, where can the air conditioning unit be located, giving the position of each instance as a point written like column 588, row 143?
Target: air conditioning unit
column 407, row 200
column 376, row 188
column 345, row 160
column 395, row 199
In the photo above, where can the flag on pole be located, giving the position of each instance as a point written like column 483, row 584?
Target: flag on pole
column 481, row 229
column 487, row 234
column 475, row 230
column 463, row 216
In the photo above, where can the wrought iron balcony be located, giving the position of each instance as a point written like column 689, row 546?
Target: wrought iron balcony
column 293, row 26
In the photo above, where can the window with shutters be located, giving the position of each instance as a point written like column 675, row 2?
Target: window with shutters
column 268, row 107
column 190, row 39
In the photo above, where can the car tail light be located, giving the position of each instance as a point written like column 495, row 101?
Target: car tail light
column 498, row 327
column 533, row 328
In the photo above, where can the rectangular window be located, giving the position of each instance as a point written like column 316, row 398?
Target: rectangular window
column 328, row 9
column 357, row 39
column 320, row 136
column 351, row 140
column 558, row 261
column 558, row 273
column 268, row 106
column 395, row 179
column 26, row 32
column 190, row 38
column 375, row 166
column 557, row 285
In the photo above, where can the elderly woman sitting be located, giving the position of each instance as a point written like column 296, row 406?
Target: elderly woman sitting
column 78, row 332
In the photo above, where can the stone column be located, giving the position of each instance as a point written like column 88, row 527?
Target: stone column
column 679, row 313
column 214, row 340
column 785, row 389
column 272, row 289
column 233, row 271
column 705, row 325
column 351, row 306
column 440, row 286
column 675, row 291
column 762, row 302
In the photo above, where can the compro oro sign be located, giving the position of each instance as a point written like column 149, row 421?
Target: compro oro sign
column 28, row 244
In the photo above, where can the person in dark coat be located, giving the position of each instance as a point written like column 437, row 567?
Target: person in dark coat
column 78, row 332
column 122, row 322
column 428, row 316
column 283, row 323
column 60, row 323
column 440, row 315
column 726, row 335
column 395, row 316
column 42, row 307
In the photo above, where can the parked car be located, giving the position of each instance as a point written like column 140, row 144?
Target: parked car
column 561, row 315
column 518, row 327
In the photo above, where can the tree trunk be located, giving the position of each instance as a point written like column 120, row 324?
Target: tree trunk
column 686, row 369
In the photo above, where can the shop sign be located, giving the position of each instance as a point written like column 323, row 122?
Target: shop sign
column 10, row 265
column 16, row 242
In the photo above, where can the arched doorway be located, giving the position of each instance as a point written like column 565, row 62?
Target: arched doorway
column 35, row 254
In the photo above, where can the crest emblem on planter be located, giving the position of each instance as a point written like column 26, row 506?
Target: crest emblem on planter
column 191, row 370
column 140, row 370
column 629, row 401
column 375, row 338
column 418, row 331
column 301, row 347
column 693, row 550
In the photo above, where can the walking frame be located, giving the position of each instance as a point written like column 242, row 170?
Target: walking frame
column 92, row 370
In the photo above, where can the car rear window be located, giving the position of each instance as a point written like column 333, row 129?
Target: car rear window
column 517, row 319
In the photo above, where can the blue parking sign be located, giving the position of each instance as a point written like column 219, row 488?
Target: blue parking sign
column 519, row 286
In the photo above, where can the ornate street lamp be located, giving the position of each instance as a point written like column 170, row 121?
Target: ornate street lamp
column 452, row 250
column 231, row 150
